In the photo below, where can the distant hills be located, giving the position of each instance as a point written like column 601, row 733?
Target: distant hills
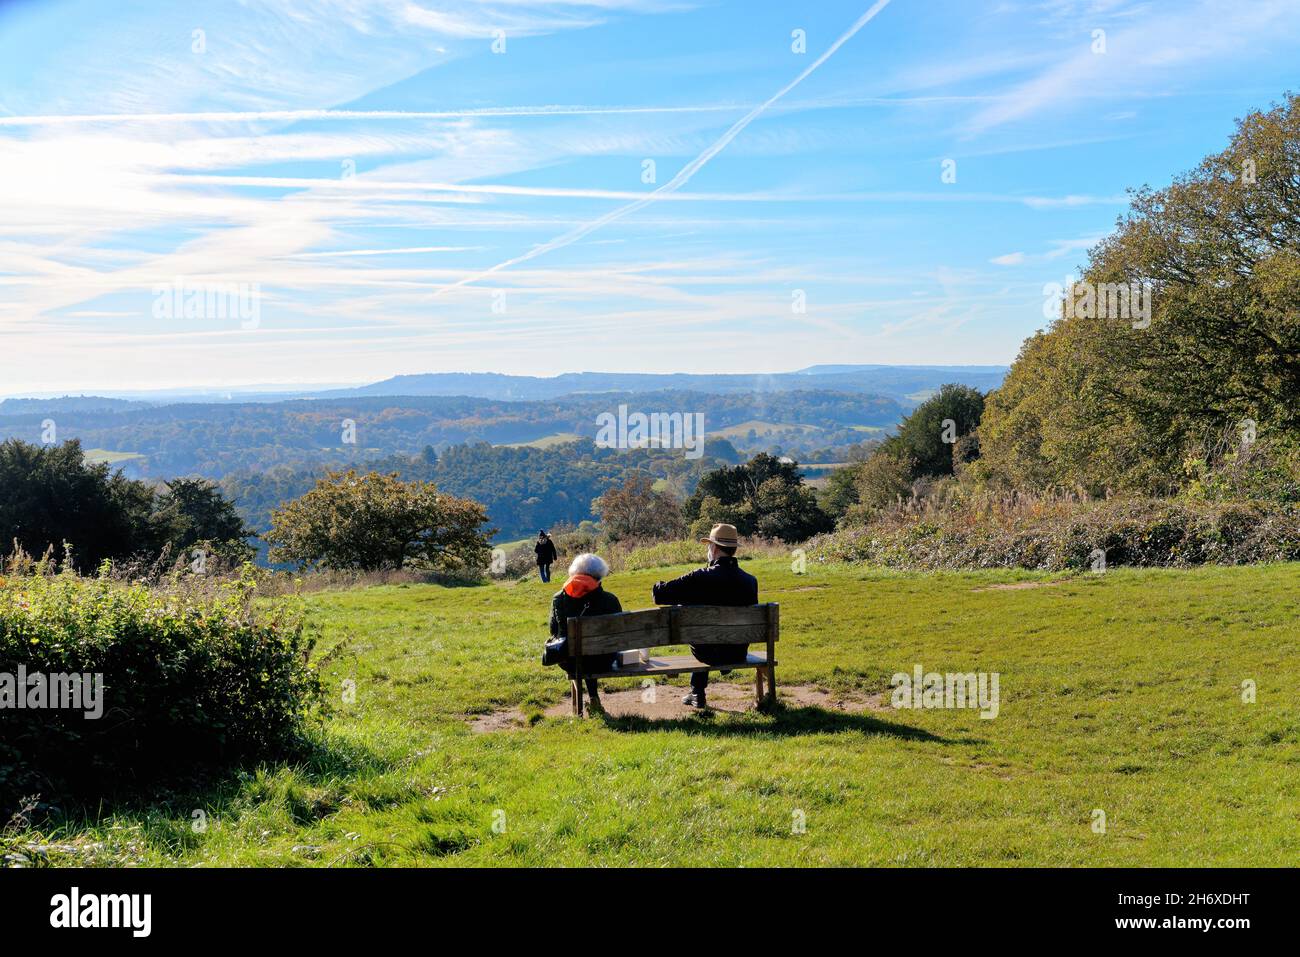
column 815, row 414
column 77, row 403
column 895, row 382
column 214, row 439
column 523, row 445
column 906, row 384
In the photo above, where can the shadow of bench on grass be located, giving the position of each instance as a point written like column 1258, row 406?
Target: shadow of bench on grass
column 783, row 721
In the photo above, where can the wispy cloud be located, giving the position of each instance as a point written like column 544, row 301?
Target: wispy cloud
column 363, row 160
column 687, row 172
column 1143, row 43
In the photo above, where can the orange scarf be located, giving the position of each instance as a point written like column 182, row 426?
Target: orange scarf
column 580, row 585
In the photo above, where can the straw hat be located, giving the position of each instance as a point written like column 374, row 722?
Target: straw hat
column 724, row 535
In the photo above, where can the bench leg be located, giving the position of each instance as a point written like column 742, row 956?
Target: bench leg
column 758, row 687
column 577, row 697
column 771, row 684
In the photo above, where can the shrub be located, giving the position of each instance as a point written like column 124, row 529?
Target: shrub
column 1230, row 469
column 664, row 553
column 882, row 480
column 189, row 682
column 517, row 562
column 572, row 542
column 1063, row 532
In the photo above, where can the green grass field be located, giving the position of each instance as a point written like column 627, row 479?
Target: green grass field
column 759, row 427
column 1120, row 692
column 109, row 456
column 546, row 441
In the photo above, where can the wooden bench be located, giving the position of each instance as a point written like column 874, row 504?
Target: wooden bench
column 677, row 625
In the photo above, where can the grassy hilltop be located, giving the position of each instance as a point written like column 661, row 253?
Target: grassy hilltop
column 1120, row 692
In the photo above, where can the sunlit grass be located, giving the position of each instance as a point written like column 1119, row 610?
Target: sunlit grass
column 1120, row 692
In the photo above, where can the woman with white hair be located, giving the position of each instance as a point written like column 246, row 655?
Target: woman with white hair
column 582, row 595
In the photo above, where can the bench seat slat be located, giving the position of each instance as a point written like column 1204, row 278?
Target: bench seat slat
column 677, row 665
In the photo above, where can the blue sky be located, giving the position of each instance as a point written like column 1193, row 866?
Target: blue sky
column 402, row 197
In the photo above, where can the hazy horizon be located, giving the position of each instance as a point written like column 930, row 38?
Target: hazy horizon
column 290, row 386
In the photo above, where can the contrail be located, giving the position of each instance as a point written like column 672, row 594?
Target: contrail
column 255, row 116
column 689, row 170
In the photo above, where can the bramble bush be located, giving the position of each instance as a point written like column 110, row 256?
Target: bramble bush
column 191, row 680
column 691, row 552
column 1053, row 533
column 658, row 554
column 520, row 562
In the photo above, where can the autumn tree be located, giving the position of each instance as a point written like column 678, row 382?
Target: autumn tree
column 636, row 510
column 371, row 522
column 1117, row 401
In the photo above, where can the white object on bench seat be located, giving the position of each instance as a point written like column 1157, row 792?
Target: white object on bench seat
column 677, row 625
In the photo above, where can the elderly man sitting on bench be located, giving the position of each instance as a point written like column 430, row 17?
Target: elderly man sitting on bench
column 720, row 582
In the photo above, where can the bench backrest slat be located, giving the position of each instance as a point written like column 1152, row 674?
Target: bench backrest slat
column 674, row 625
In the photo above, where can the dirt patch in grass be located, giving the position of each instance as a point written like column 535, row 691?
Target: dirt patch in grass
column 667, row 704
column 499, row 721
column 1017, row 586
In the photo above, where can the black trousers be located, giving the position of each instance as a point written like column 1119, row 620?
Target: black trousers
column 715, row 655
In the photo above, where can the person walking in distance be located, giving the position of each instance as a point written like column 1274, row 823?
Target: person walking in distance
column 546, row 555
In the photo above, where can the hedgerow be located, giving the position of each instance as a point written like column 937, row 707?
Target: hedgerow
column 190, row 680
column 1060, row 534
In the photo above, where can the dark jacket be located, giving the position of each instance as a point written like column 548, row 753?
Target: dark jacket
column 564, row 607
column 721, row 582
column 546, row 553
